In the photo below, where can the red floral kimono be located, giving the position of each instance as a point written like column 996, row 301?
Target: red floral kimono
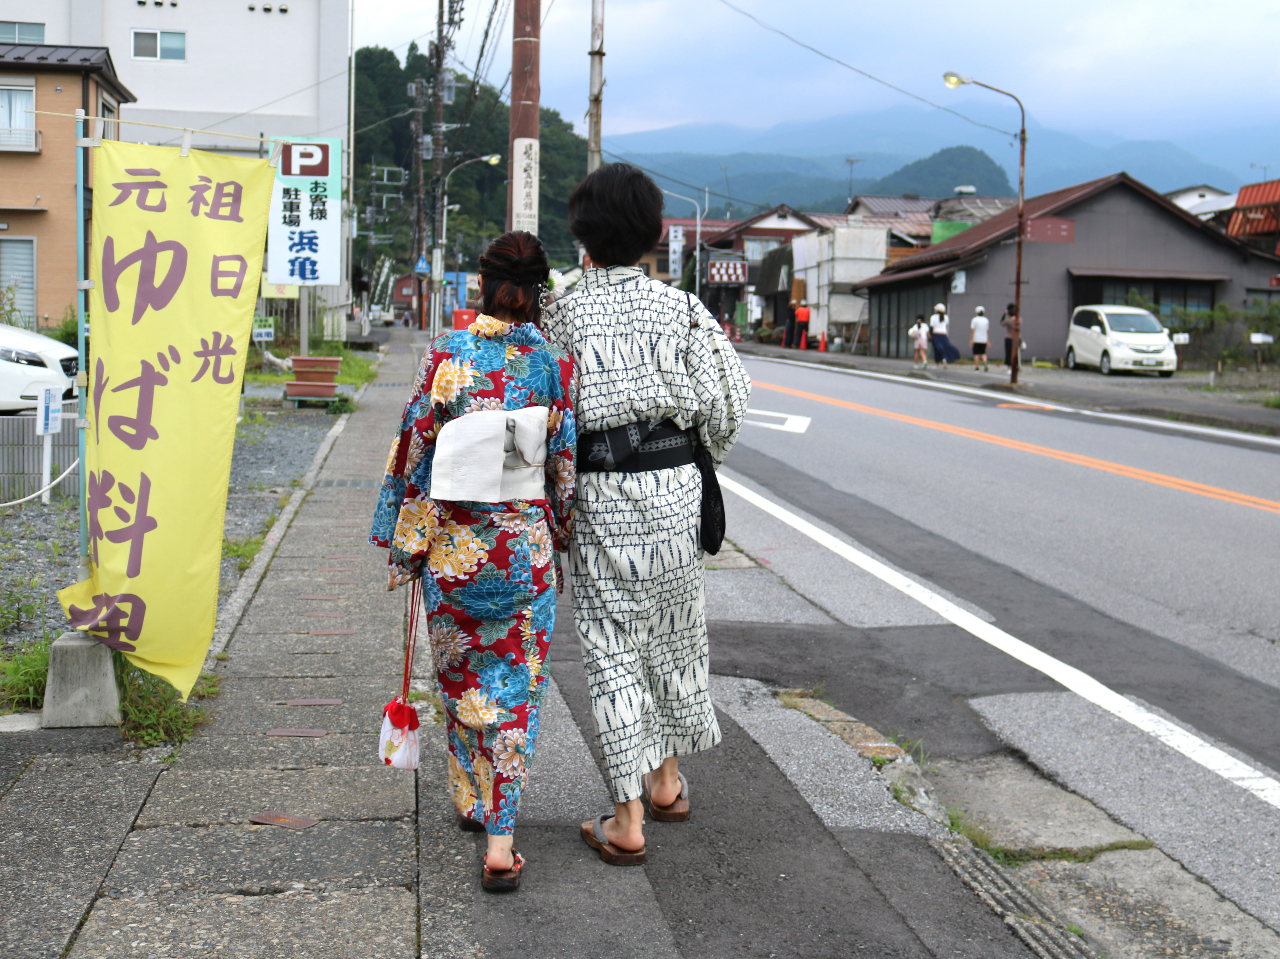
column 494, row 570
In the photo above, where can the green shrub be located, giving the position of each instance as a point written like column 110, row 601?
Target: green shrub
column 152, row 712
column 1272, row 402
column 22, row 677
column 68, row 331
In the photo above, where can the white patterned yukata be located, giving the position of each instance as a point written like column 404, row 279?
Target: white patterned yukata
column 646, row 352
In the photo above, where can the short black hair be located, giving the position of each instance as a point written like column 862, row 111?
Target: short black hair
column 616, row 213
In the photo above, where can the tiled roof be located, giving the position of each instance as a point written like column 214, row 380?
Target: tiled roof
column 972, row 209
column 895, row 204
column 1256, row 207
column 975, row 240
column 48, row 59
column 913, row 224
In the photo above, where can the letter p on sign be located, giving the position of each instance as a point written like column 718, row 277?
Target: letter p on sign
column 306, row 159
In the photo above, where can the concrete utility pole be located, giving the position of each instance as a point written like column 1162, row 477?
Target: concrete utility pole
column 418, row 90
column 595, row 98
column 523, row 137
column 437, row 159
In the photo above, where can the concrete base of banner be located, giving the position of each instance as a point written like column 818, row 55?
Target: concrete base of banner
column 81, row 687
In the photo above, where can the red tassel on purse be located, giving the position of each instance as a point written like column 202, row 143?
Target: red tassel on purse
column 398, row 742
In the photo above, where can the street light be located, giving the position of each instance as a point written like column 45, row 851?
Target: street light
column 493, row 159
column 697, row 244
column 954, row 81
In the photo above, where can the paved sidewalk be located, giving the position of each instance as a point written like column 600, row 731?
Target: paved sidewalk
column 1185, row 397
column 796, row 846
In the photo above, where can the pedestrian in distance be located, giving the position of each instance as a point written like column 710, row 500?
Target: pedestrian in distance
column 979, row 329
column 407, row 319
column 1009, row 321
column 661, row 401
column 943, row 350
column 919, row 334
column 477, row 499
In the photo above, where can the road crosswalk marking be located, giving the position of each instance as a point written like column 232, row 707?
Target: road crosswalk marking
column 1192, row 746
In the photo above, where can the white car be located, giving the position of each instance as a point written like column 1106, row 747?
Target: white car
column 1119, row 338
column 30, row 361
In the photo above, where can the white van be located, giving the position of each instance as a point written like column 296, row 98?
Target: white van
column 1119, row 338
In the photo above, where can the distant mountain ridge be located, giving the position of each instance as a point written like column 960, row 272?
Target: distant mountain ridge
column 1054, row 159
column 765, row 179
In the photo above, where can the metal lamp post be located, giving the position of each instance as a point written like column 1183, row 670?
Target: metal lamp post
column 954, row 81
column 438, row 295
column 697, row 244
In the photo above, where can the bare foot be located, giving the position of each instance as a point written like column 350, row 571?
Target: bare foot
column 499, row 857
column 624, row 828
column 664, row 783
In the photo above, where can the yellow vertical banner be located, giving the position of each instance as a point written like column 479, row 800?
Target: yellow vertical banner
column 176, row 264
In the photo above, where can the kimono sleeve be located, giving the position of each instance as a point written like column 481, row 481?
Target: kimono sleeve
column 562, row 445
column 720, row 384
column 407, row 479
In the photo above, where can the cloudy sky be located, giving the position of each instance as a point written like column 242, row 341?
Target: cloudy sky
column 1137, row 69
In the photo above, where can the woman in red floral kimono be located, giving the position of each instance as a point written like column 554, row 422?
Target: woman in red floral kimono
column 494, row 569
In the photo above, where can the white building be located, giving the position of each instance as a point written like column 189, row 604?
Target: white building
column 246, row 67
column 831, row 262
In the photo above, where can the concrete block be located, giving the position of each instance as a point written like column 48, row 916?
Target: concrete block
column 81, row 688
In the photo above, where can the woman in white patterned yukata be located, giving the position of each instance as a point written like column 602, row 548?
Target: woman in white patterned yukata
column 661, row 400
column 479, row 493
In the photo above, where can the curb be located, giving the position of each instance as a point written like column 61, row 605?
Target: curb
column 249, row 582
column 1043, row 933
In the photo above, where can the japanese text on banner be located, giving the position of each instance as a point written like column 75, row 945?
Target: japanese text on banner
column 176, row 263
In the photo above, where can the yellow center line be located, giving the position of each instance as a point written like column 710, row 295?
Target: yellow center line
column 1146, row 476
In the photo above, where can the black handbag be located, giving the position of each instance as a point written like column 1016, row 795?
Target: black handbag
column 711, row 532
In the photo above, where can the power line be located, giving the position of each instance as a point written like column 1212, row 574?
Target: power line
column 723, row 196
column 869, row 76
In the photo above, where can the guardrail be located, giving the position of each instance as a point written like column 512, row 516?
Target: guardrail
column 21, row 451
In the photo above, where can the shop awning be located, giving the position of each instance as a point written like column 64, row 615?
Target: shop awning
column 1148, row 274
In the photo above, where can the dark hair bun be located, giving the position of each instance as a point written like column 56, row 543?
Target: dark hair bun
column 514, row 268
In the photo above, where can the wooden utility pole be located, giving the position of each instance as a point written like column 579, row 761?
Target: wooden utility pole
column 437, row 158
column 595, row 98
column 523, row 141
column 418, row 90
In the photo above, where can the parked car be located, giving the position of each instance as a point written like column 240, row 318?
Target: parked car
column 1119, row 338
column 30, row 361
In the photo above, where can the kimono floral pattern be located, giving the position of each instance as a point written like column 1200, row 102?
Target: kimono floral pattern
column 492, row 569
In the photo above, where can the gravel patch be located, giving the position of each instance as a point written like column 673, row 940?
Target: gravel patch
column 40, row 545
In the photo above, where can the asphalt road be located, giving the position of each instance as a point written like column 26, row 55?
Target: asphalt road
column 1142, row 556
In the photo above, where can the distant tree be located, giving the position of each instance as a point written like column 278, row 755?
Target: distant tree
column 384, row 139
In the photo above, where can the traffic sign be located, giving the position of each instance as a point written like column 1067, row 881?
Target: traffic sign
column 422, row 267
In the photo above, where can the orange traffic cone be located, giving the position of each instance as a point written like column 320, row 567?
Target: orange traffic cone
column 822, row 342
column 804, row 339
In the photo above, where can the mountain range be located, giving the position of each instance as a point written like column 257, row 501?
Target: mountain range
column 798, row 154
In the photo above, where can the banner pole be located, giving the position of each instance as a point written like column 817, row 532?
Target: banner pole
column 82, row 374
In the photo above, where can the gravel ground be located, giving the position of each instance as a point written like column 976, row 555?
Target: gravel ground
column 39, row 545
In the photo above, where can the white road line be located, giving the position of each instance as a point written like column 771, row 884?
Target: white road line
column 1172, row 426
column 1189, row 745
column 791, row 423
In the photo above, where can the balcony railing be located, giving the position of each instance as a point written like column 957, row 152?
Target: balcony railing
column 19, row 140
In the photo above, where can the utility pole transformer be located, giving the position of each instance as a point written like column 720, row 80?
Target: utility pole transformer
column 523, row 182
column 596, row 97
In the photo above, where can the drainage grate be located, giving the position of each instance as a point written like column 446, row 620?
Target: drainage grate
column 398, row 385
column 1045, row 934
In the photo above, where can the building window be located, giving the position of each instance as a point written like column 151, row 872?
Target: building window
column 18, row 271
column 110, row 129
column 159, row 45
column 664, row 264
column 756, row 247
column 11, row 32
column 17, row 122
column 645, row 268
column 1167, row 296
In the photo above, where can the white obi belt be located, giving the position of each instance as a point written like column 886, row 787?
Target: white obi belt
column 491, row 456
